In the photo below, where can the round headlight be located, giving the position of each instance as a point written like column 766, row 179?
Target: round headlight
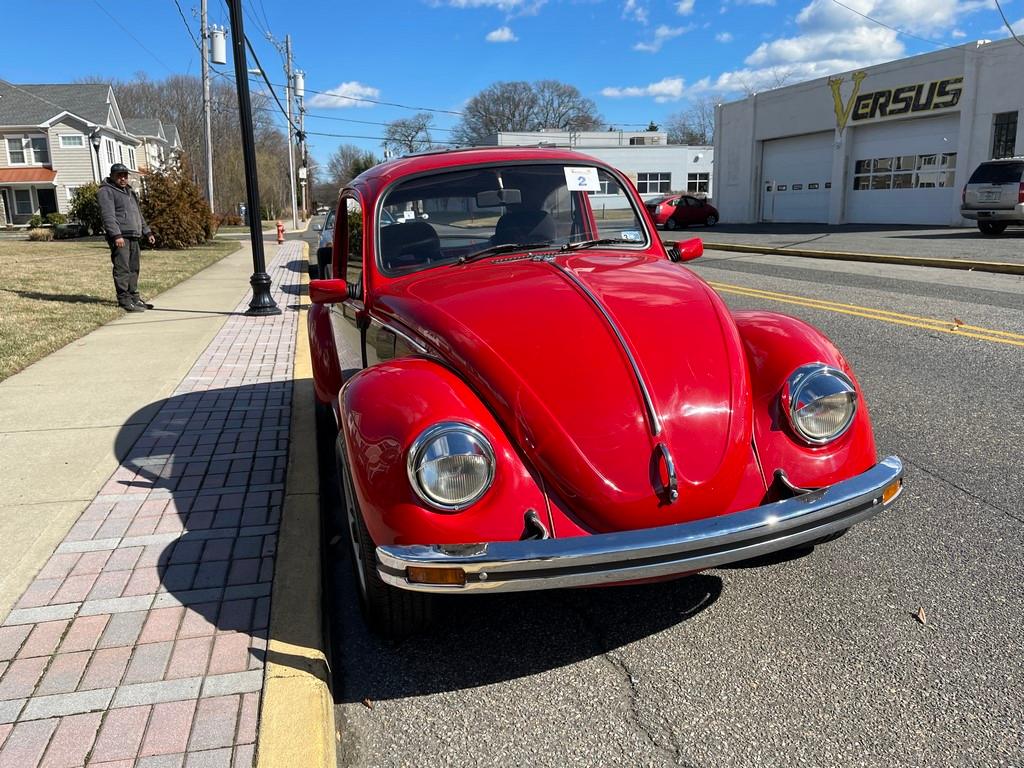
column 820, row 402
column 451, row 466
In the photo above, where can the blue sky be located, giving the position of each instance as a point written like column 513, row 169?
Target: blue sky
column 639, row 60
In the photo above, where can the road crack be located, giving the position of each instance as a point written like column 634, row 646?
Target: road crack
column 963, row 490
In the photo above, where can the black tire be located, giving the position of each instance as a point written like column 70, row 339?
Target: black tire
column 711, row 220
column 991, row 227
column 390, row 612
column 671, row 225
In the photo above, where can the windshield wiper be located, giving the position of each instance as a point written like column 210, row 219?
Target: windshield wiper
column 592, row 243
column 494, row 250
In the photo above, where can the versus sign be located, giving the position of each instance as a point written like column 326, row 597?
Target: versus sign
column 891, row 102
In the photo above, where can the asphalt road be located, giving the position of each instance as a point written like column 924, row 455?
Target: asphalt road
column 818, row 659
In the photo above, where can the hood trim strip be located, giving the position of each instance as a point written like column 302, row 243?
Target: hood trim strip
column 652, row 415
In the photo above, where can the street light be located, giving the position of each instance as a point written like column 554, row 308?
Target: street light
column 96, row 141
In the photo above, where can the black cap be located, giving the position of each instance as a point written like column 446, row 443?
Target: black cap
column 117, row 168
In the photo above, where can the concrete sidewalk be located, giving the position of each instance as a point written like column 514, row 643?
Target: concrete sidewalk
column 141, row 500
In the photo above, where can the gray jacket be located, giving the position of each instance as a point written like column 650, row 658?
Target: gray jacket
column 122, row 216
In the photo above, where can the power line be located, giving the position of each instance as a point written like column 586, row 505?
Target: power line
column 263, row 74
column 383, row 103
column 189, row 28
column 897, row 30
column 1007, row 23
column 133, row 37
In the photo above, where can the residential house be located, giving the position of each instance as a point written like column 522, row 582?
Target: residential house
column 57, row 138
column 160, row 143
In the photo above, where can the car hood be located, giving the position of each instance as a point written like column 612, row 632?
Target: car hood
column 546, row 358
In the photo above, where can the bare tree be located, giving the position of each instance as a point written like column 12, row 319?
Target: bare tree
column 524, row 107
column 347, row 162
column 696, row 124
column 409, row 134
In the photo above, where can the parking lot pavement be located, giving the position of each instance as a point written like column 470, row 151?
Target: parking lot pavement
column 885, row 239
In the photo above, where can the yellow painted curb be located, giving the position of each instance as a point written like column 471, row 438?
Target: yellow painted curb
column 912, row 261
column 297, row 712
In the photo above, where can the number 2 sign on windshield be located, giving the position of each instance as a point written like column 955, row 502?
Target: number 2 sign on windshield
column 582, row 179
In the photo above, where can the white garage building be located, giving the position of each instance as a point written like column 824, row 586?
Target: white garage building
column 889, row 144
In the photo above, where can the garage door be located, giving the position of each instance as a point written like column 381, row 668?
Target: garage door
column 903, row 172
column 796, row 178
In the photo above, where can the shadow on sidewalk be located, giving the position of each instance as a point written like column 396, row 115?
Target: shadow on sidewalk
column 214, row 465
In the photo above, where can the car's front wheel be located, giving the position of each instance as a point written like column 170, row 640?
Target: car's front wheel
column 991, row 227
column 671, row 224
column 711, row 220
column 389, row 611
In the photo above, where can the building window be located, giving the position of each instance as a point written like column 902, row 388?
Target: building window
column 1004, row 134
column 647, row 183
column 110, row 152
column 931, row 171
column 23, row 202
column 698, row 182
column 68, row 140
column 40, row 150
column 131, row 157
column 15, row 152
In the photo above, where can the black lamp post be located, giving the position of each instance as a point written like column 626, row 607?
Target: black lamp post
column 262, row 302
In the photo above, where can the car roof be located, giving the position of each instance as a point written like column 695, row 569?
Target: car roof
column 380, row 175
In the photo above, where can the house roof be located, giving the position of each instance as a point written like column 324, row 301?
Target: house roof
column 34, row 104
column 171, row 131
column 26, row 175
column 138, row 126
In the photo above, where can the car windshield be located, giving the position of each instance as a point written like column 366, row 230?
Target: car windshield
column 998, row 173
column 451, row 216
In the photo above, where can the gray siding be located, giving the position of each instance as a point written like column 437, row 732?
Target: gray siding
column 74, row 165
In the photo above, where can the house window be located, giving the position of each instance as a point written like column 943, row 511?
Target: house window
column 15, row 152
column 23, row 202
column 110, row 152
column 40, row 150
column 131, row 157
column 1004, row 134
column 646, row 183
column 68, row 140
column 697, row 182
column 120, row 152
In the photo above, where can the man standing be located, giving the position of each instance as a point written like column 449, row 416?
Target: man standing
column 124, row 225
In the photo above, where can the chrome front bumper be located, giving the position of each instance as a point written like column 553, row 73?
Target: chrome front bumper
column 512, row 566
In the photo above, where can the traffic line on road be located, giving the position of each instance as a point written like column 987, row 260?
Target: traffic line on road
column 914, row 321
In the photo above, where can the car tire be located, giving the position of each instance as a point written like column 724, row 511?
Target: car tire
column 671, row 225
column 711, row 220
column 991, row 227
column 390, row 612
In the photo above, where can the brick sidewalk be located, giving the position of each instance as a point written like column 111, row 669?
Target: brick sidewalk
column 141, row 641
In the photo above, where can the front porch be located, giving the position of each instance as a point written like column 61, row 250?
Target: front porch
column 26, row 192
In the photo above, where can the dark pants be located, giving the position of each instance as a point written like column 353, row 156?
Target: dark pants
column 125, row 261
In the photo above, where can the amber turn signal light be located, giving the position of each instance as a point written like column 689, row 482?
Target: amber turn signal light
column 454, row 577
column 891, row 491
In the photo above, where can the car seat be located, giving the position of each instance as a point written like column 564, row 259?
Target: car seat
column 410, row 244
column 524, row 226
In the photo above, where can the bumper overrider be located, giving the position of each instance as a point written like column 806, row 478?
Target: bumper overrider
column 512, row 566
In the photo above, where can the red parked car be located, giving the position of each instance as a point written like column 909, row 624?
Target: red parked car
column 678, row 211
column 528, row 396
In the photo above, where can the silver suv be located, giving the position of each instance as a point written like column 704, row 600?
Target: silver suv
column 994, row 196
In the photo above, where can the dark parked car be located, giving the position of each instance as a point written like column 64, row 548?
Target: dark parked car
column 994, row 195
column 321, row 268
column 681, row 211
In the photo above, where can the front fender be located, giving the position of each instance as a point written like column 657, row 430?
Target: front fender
column 775, row 345
column 383, row 410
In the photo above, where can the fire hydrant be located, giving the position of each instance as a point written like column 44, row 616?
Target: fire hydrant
column 280, row 232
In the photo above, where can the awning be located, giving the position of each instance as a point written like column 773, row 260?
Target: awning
column 27, row 175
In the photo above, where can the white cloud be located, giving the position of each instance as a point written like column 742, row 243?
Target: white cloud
column 634, row 9
column 504, row 5
column 958, row 33
column 668, row 89
column 684, row 7
column 724, row 37
column 345, row 95
column 661, row 34
column 501, row 35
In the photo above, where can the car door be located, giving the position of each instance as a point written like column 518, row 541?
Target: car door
column 689, row 210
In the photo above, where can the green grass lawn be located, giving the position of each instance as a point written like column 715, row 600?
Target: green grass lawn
column 53, row 293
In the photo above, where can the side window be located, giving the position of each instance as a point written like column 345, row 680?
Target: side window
column 350, row 241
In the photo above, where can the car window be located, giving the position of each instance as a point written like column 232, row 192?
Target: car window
column 329, row 221
column 998, row 173
column 442, row 217
column 350, row 231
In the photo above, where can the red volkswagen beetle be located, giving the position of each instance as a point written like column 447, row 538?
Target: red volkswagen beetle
column 528, row 396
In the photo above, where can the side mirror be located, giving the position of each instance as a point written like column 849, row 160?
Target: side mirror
column 685, row 250
column 330, row 291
